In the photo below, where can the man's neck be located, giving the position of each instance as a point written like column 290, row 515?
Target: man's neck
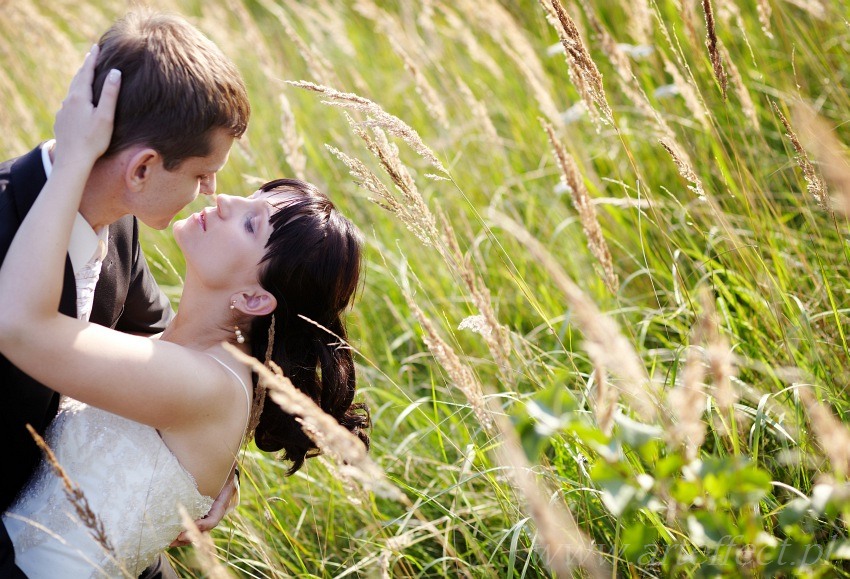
column 98, row 205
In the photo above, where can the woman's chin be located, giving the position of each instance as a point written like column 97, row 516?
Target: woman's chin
column 177, row 230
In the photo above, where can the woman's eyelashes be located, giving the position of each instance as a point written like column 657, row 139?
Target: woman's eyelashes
column 249, row 225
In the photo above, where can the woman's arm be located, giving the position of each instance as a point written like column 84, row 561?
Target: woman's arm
column 34, row 264
column 153, row 382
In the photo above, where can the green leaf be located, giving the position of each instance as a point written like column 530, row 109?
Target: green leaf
column 669, row 466
column 710, row 529
column 684, row 491
column 749, row 486
column 636, row 434
column 638, row 541
column 532, row 442
column 617, row 495
column 839, row 549
column 794, row 511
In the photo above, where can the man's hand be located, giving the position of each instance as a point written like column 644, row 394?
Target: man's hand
column 226, row 501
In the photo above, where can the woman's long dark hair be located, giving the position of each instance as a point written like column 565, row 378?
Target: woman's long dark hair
column 312, row 267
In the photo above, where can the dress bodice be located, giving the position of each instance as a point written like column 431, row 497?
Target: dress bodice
column 132, row 482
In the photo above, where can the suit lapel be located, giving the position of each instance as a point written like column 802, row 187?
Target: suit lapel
column 27, row 178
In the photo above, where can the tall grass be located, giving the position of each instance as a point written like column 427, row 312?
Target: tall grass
column 635, row 369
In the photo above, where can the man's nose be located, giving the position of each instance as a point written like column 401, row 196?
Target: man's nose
column 208, row 185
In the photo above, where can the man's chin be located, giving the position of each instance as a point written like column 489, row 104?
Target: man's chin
column 158, row 224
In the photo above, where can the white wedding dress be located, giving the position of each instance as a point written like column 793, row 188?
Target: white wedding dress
column 132, row 482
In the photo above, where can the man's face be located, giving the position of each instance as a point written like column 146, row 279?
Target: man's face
column 167, row 192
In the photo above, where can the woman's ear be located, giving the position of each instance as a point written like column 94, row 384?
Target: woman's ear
column 139, row 167
column 258, row 302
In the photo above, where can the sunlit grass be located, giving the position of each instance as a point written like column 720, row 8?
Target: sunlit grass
column 775, row 262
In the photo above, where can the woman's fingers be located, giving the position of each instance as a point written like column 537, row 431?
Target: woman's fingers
column 84, row 78
column 83, row 131
column 109, row 96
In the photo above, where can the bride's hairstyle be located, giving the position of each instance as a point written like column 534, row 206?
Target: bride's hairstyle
column 312, row 267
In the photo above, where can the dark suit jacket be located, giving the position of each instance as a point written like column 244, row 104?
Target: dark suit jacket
column 126, row 298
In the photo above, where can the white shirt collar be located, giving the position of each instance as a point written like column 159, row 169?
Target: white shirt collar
column 85, row 241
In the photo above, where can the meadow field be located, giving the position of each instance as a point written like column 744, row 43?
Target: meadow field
column 603, row 330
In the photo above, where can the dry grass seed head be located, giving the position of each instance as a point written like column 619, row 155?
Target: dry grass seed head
column 433, row 104
column 814, row 183
column 689, row 94
column 747, row 106
column 496, row 335
column 818, row 136
column 764, row 12
column 830, row 432
column 687, row 399
column 503, row 28
column 711, row 43
column 687, row 405
column 565, row 545
column 721, row 363
column 291, row 141
column 411, row 208
column 460, row 374
column 466, row 36
column 683, row 164
column 204, row 548
column 331, row 438
column 377, row 117
column 609, row 46
column 479, row 112
column 365, row 178
column 640, row 20
column 606, row 397
column 317, row 65
column 604, row 341
column 585, row 209
column 580, row 61
column 666, row 136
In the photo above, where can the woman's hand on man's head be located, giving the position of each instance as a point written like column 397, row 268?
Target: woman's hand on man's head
column 83, row 131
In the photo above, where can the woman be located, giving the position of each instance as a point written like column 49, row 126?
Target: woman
column 150, row 424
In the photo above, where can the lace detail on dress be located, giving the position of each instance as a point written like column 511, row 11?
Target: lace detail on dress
column 132, row 482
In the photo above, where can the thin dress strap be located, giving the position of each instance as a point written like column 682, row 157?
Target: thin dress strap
column 244, row 387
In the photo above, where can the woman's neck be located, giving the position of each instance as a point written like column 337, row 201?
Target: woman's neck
column 203, row 320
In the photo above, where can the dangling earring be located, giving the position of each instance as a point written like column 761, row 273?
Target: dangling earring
column 240, row 339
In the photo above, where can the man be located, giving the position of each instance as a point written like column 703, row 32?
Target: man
column 182, row 104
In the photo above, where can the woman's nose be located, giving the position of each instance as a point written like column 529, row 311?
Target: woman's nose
column 221, row 204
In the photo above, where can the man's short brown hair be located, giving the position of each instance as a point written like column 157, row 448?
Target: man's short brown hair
column 176, row 87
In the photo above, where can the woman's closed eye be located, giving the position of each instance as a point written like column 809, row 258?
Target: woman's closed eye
column 249, row 225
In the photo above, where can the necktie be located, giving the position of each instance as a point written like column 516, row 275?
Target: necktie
column 86, row 280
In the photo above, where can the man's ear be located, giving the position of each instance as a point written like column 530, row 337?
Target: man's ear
column 257, row 302
column 139, row 167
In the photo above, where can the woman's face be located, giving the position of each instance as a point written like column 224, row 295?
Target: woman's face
column 224, row 244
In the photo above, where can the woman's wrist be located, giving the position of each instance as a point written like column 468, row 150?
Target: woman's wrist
column 78, row 163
